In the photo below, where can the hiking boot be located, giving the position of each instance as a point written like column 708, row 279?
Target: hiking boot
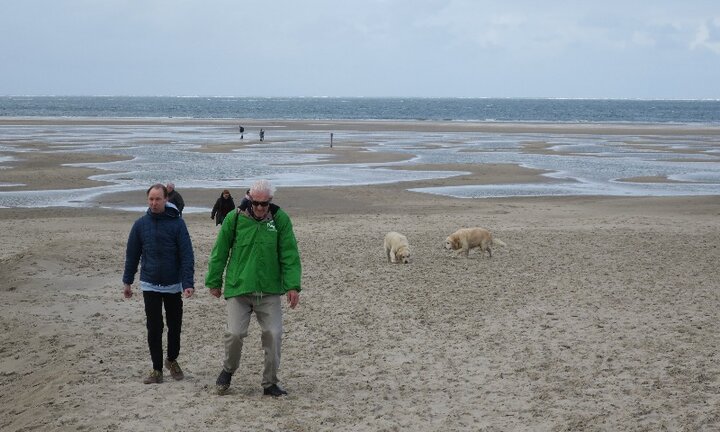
column 174, row 369
column 155, row 377
column 223, row 381
column 274, row 391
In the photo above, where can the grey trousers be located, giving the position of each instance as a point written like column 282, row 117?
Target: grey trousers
column 268, row 312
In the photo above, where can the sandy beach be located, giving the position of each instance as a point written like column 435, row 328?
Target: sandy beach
column 600, row 314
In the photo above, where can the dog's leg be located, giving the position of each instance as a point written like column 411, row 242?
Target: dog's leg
column 465, row 249
column 393, row 257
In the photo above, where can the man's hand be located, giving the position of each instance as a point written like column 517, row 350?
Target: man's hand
column 293, row 297
column 215, row 292
column 127, row 291
column 189, row 292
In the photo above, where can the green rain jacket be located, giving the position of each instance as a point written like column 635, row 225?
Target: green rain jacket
column 261, row 256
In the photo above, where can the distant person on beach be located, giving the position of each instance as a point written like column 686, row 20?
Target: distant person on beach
column 242, row 131
column 222, row 207
column 175, row 198
column 262, row 135
column 160, row 241
column 264, row 265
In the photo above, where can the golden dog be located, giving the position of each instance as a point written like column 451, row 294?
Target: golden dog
column 465, row 239
column 397, row 248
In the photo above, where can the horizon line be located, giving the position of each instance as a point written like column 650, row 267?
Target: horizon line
column 365, row 97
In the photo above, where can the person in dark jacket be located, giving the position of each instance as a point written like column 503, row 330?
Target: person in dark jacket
column 175, row 198
column 222, row 207
column 245, row 202
column 160, row 241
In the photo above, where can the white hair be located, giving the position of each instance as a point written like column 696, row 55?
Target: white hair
column 262, row 187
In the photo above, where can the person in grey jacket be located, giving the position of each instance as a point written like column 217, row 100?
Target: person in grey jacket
column 160, row 241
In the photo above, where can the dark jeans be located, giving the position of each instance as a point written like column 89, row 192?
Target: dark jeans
column 173, row 313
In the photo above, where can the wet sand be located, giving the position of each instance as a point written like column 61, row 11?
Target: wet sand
column 600, row 314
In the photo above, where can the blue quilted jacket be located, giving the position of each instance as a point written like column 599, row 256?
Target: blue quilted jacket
column 161, row 244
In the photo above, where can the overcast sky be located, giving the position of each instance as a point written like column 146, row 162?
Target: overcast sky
column 429, row 48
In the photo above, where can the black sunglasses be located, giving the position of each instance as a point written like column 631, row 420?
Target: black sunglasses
column 260, row 203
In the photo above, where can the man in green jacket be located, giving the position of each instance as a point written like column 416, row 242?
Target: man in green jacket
column 258, row 247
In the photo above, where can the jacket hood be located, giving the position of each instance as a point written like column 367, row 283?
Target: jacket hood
column 170, row 212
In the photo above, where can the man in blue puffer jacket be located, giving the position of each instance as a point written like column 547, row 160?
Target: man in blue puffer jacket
column 161, row 243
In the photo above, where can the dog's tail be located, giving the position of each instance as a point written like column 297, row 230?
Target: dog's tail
column 499, row 242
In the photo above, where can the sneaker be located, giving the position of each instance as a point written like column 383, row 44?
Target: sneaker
column 274, row 391
column 155, row 377
column 174, row 369
column 223, row 381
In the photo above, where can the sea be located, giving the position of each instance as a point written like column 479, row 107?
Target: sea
column 335, row 108
column 577, row 164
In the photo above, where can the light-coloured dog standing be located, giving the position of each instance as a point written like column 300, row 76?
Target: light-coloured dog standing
column 397, row 248
column 465, row 239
